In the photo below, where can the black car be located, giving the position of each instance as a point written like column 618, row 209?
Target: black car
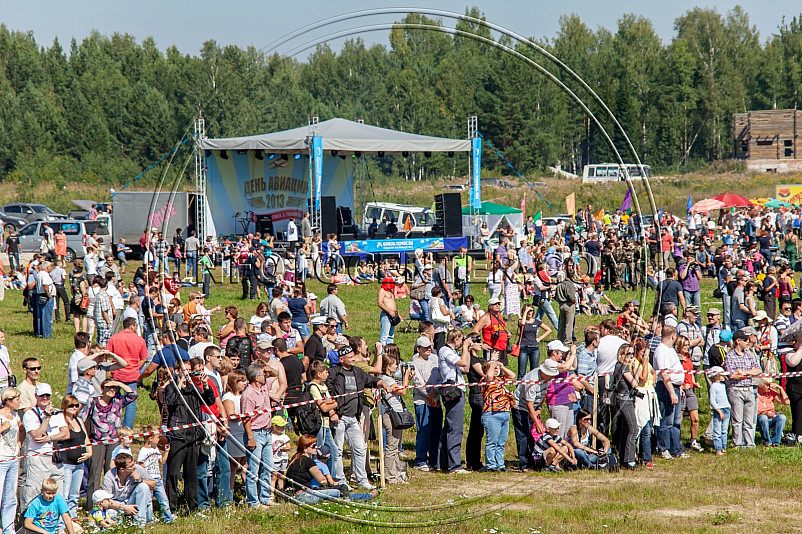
column 12, row 223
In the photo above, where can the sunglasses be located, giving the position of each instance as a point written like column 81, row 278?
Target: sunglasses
column 46, row 395
column 34, row 368
column 73, row 405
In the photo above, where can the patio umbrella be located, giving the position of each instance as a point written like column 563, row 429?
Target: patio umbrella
column 774, row 203
column 731, row 200
column 707, row 204
column 791, row 331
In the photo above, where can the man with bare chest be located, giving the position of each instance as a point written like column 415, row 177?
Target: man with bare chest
column 389, row 311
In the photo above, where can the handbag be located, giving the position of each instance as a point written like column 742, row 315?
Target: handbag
column 10, row 380
column 399, row 420
column 419, row 293
column 515, row 350
column 395, row 320
column 43, row 300
column 439, row 317
column 450, row 393
column 85, row 302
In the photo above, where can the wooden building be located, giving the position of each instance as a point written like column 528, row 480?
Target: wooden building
column 768, row 135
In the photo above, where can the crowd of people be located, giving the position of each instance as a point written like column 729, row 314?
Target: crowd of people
column 616, row 395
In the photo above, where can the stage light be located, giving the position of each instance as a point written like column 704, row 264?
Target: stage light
column 405, row 154
column 285, row 157
column 271, row 156
column 358, row 154
column 208, row 153
column 223, row 154
column 451, row 154
column 242, row 152
column 381, row 154
column 258, row 154
column 297, row 156
column 334, row 153
column 427, row 154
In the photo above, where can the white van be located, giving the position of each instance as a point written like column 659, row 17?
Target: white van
column 423, row 219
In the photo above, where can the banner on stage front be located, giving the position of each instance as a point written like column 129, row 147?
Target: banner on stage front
column 378, row 246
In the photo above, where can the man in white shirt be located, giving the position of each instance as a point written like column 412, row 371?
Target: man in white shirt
column 132, row 310
column 42, row 428
column 117, row 301
column 607, row 357
column 81, row 343
column 428, row 413
column 46, row 287
column 668, row 395
column 201, row 336
column 292, row 232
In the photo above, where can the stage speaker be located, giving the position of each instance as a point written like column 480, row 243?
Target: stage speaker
column 344, row 221
column 448, row 210
column 328, row 216
column 264, row 224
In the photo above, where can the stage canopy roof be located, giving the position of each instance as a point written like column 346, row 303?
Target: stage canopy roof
column 342, row 135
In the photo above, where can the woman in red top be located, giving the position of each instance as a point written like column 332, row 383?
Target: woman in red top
column 689, row 400
column 497, row 403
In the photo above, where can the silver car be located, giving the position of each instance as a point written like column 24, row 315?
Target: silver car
column 31, row 212
column 31, row 236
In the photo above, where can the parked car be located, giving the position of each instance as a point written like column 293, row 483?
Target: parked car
column 550, row 225
column 31, row 212
column 31, row 235
column 423, row 219
column 12, row 223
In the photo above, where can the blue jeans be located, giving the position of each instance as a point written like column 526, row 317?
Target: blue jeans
column 192, row 263
column 222, row 474
column 73, row 476
column 326, row 437
column 47, row 318
column 424, row 310
column 142, row 497
column 720, row 428
column 645, row 440
column 429, row 420
column 203, row 481
column 668, row 431
column 315, row 496
column 164, row 503
column 530, row 355
column 151, row 337
column 9, row 476
column 387, row 329
column 585, row 459
column 260, row 468
column 303, row 329
column 36, row 311
column 548, row 309
column 771, row 429
column 497, row 428
column 130, row 410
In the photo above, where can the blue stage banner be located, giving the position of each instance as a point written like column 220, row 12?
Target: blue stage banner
column 476, row 167
column 317, row 151
column 378, row 246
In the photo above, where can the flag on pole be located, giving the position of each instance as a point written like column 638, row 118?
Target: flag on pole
column 523, row 208
column 599, row 215
column 626, row 206
column 570, row 204
column 660, row 214
column 690, row 203
column 538, row 216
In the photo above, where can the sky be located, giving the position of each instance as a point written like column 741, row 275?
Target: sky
column 188, row 23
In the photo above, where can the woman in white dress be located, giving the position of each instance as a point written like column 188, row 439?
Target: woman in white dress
column 512, row 289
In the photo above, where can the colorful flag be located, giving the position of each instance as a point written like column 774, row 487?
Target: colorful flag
column 626, row 206
column 599, row 215
column 690, row 203
column 570, row 204
column 538, row 216
column 523, row 208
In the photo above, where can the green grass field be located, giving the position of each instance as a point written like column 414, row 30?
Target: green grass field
column 746, row 491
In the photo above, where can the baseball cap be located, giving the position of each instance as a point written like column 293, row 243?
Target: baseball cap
column 714, row 311
column 549, row 368
column 693, row 309
column 100, row 495
column 319, row 320
column 740, row 334
column 427, row 267
column 557, row 345
column 323, row 451
column 86, row 364
column 423, row 341
column 341, row 340
column 43, row 389
column 750, row 330
column 265, row 344
column 635, row 302
column 715, row 371
column 725, row 335
column 552, row 423
column 492, row 301
column 277, row 420
column 311, row 296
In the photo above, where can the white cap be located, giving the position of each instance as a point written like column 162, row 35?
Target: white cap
column 100, row 494
column 552, row 423
column 557, row 345
column 427, row 267
column 492, row 301
column 43, row 389
column 319, row 320
column 423, row 341
column 311, row 296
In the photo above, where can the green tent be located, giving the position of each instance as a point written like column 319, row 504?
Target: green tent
column 774, row 203
column 490, row 208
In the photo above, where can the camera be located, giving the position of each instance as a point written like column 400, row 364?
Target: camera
column 476, row 338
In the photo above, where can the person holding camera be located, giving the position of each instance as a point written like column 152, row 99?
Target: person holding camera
column 43, row 425
column 495, row 336
column 625, row 424
column 451, row 366
column 689, row 275
column 395, row 467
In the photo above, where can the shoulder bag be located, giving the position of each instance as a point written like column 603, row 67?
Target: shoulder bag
column 418, row 293
column 399, row 420
column 451, row 392
column 11, row 380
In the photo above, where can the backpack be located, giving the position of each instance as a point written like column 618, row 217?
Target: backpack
column 607, row 462
column 246, row 345
column 307, row 416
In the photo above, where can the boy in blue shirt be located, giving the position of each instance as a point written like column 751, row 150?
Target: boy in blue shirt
column 47, row 510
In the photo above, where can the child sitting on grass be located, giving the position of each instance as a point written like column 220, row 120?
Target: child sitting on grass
column 48, row 510
column 152, row 459
column 281, row 444
column 554, row 450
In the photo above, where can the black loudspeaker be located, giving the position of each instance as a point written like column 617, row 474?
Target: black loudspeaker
column 448, row 210
column 328, row 216
column 264, row 224
column 345, row 223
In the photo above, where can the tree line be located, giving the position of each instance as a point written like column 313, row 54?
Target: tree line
column 110, row 106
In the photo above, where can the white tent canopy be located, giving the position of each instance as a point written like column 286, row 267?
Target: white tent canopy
column 342, row 135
